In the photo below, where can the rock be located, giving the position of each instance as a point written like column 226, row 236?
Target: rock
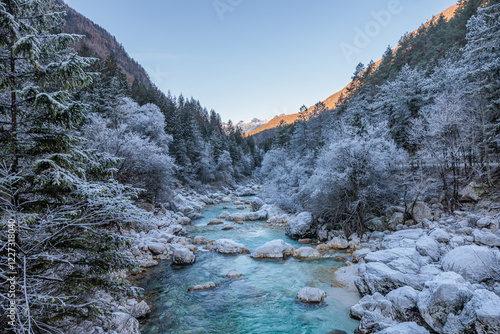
column 475, row 263
column 227, row 246
column 471, row 193
column 403, row 238
column 396, row 219
column 227, row 199
column 227, row 228
column 377, row 224
column 440, row 235
column 421, row 211
column 428, row 246
column 360, row 254
column 337, row 243
column 124, row 323
column 306, row 253
column 301, row 226
column 223, row 215
column 446, row 294
column 199, row 240
column 484, row 222
column 256, row 204
column 404, row 302
column 157, row 248
column 305, row 241
column 375, row 313
column 338, row 331
column 480, row 315
column 140, row 310
column 184, row 221
column 405, row 328
column 246, row 192
column 389, row 255
column 215, row 222
column 340, row 258
column 183, row 256
column 311, row 295
column 233, row 274
column 346, row 276
column 273, row 249
column 486, row 238
column 204, row 286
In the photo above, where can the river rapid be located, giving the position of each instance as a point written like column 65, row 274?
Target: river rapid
column 263, row 300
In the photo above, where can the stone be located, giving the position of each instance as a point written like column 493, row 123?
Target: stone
column 360, row 254
column 421, row 211
column 124, row 323
column 486, row 238
column 475, row 263
column 233, row 274
column 337, row 243
column 204, row 286
column 215, row 222
column 403, row 238
column 340, row 258
column 311, row 295
column 227, row 199
column 305, row 241
column 440, row 235
column 157, row 248
column 273, row 249
column 306, row 253
column 183, row 256
column 396, row 219
column 227, row 228
column 223, row 215
column 404, row 301
column 446, row 294
column 184, row 221
column 377, row 224
column 405, row 328
column 301, row 226
column 375, row 313
column 199, row 240
column 256, row 204
column 471, row 193
column 484, row 222
column 428, row 246
column 338, row 331
column 480, row 315
column 227, row 246
column 140, row 310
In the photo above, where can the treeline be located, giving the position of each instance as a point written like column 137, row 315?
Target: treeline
column 429, row 111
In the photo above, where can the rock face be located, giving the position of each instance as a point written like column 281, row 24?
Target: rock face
column 273, row 250
column 474, row 263
column 183, row 256
column 446, row 294
column 227, row 246
column 306, row 253
column 204, row 286
column 311, row 295
column 301, row 226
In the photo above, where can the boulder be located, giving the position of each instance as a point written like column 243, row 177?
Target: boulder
column 183, row 256
column 471, row 193
column 305, row 241
column 223, row 215
column 486, row 238
column 139, row 310
column 428, row 246
column 396, row 219
column 474, row 263
column 204, row 286
column 405, row 328
column 311, row 295
column 215, row 222
column 157, row 248
column 233, row 274
column 420, row 212
column 446, row 294
column 124, row 323
column 403, row 238
column 306, row 253
column 375, row 313
column 227, row 228
column 377, row 224
column 440, row 235
column 199, row 240
column 227, row 246
column 360, row 254
column 404, row 302
column 484, row 222
column 256, row 204
column 480, row 315
column 302, row 226
column 273, row 249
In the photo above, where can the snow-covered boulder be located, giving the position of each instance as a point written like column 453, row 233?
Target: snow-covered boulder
column 446, row 294
column 485, row 237
column 157, row 248
column 257, row 204
column 474, row 263
column 428, row 246
column 306, row 253
column 223, row 215
column 360, row 254
column 404, row 301
column 311, row 295
column 302, row 226
column 233, row 274
column 183, row 256
column 273, row 249
column 199, row 240
column 403, row 238
column 440, row 235
column 227, row 246
column 375, row 313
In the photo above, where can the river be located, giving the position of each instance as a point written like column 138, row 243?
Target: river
column 263, row 300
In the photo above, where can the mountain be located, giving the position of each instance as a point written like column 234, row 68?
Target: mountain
column 250, row 124
column 99, row 42
column 268, row 130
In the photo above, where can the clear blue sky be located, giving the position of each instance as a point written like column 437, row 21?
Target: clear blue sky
column 256, row 58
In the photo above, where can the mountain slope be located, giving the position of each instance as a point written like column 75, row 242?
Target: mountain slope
column 267, row 130
column 101, row 43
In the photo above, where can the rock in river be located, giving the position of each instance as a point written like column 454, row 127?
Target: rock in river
column 183, row 256
column 227, row 246
column 311, row 295
column 204, row 286
column 273, row 249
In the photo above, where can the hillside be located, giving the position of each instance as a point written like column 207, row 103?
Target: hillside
column 101, row 43
column 267, row 130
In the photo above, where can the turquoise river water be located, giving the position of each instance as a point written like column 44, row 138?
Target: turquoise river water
column 263, row 300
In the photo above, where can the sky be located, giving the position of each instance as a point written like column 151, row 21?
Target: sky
column 256, row 58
